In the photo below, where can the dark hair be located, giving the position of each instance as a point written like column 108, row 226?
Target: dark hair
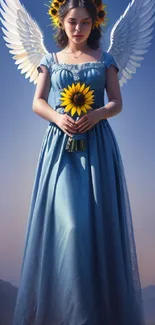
column 93, row 40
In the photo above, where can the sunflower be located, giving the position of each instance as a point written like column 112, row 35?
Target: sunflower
column 77, row 98
column 56, row 22
column 54, row 12
column 56, row 4
column 101, row 16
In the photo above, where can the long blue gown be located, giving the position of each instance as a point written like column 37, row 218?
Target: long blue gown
column 79, row 264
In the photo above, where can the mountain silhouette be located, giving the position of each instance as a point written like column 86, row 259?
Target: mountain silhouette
column 149, row 304
column 8, row 294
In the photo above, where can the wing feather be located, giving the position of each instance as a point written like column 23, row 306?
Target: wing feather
column 130, row 37
column 23, row 37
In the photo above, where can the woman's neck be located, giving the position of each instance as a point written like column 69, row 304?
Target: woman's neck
column 72, row 47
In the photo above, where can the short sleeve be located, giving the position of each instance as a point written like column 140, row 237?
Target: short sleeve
column 45, row 61
column 110, row 61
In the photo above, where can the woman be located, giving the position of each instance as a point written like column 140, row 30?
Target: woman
column 79, row 265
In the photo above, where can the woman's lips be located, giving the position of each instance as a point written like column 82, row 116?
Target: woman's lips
column 78, row 35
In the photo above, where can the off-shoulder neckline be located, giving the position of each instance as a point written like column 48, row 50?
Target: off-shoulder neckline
column 77, row 64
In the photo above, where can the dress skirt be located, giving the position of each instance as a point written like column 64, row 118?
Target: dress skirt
column 79, row 265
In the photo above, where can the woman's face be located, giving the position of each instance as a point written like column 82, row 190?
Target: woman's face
column 77, row 24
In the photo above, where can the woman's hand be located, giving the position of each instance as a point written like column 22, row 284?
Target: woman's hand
column 66, row 124
column 87, row 121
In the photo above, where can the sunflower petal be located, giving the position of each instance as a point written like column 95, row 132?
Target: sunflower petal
column 90, row 102
column 65, row 98
column 65, row 95
column 83, row 108
column 66, row 102
column 67, row 108
column 89, row 93
column 70, row 89
column 79, row 110
column 67, row 91
column 73, row 87
column 87, row 106
column 82, row 88
column 86, row 90
column 88, row 99
column 78, row 86
column 73, row 110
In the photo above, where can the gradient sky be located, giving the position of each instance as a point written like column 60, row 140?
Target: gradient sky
column 21, row 134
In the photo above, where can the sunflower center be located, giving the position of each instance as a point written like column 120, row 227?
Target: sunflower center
column 101, row 14
column 54, row 11
column 78, row 99
column 56, row 4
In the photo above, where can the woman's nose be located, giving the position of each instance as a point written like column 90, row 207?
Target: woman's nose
column 78, row 28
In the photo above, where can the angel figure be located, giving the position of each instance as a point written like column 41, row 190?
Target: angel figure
column 79, row 263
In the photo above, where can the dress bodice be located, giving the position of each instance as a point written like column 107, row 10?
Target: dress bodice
column 92, row 73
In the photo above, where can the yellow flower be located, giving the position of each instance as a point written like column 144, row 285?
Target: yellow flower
column 56, row 4
column 56, row 22
column 101, row 16
column 54, row 12
column 77, row 98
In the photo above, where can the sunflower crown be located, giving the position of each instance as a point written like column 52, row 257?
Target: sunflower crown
column 55, row 5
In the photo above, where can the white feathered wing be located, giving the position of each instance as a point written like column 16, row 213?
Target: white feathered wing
column 23, row 37
column 129, row 37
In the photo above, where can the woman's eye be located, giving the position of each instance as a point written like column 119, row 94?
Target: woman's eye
column 73, row 23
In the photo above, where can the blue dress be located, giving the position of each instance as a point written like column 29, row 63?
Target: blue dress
column 79, row 264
